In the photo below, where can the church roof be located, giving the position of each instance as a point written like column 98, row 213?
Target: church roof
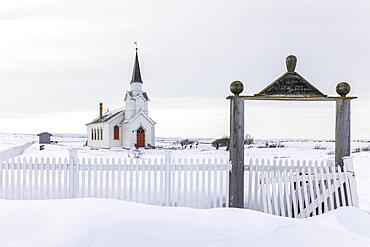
column 140, row 113
column 136, row 75
column 107, row 116
column 145, row 96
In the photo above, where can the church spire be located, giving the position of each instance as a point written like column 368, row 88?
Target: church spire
column 136, row 75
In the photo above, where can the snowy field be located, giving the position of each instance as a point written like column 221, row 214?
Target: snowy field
column 99, row 222
column 293, row 149
column 11, row 140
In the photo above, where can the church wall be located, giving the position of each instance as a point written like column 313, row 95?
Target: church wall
column 141, row 104
column 112, row 142
column 149, row 133
column 88, row 135
column 107, row 135
column 129, row 131
column 96, row 143
column 152, row 137
column 129, row 114
column 145, row 109
column 130, row 108
column 136, row 88
column 127, row 141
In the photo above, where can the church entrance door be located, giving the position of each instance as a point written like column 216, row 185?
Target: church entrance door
column 140, row 137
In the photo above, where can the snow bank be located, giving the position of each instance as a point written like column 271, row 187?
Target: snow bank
column 101, row 222
column 362, row 172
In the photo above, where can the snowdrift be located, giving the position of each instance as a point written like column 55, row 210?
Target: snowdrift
column 100, row 222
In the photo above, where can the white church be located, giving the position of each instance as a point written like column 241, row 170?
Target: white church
column 126, row 127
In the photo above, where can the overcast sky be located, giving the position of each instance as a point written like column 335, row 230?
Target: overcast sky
column 59, row 59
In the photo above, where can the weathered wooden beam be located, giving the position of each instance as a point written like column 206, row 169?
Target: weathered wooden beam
column 236, row 175
column 292, row 98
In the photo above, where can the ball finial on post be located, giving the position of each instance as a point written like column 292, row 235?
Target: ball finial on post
column 291, row 62
column 236, row 87
column 343, row 88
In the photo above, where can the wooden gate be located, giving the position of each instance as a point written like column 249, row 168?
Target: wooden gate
column 299, row 189
column 140, row 137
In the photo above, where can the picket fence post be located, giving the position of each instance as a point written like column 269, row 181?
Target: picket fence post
column 73, row 159
column 348, row 163
column 167, row 177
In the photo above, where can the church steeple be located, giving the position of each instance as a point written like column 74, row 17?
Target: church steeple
column 136, row 75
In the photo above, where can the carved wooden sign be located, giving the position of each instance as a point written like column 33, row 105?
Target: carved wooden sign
column 291, row 84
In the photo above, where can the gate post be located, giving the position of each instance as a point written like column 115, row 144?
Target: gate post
column 236, row 145
column 342, row 124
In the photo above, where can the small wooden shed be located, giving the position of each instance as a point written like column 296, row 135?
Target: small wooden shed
column 44, row 137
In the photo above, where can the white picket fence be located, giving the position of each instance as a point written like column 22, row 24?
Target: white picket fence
column 198, row 183
column 280, row 187
column 14, row 151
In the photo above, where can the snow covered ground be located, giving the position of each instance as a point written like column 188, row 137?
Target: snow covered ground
column 101, row 222
column 293, row 149
column 11, row 140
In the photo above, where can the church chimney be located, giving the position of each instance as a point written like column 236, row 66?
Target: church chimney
column 100, row 111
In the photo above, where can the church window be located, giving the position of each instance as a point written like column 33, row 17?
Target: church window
column 116, row 132
column 92, row 134
column 101, row 134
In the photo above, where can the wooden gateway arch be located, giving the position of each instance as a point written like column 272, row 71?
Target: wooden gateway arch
column 291, row 86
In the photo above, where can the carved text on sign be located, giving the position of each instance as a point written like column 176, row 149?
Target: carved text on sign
column 291, row 83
